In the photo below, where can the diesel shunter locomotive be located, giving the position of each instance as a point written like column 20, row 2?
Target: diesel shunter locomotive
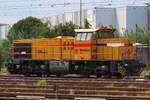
column 91, row 52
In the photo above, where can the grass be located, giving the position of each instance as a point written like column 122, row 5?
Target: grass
column 145, row 72
column 71, row 92
column 4, row 71
column 132, row 86
column 109, row 85
column 146, row 95
column 41, row 83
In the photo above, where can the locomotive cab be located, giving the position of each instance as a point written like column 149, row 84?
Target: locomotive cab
column 101, row 52
column 92, row 34
column 86, row 39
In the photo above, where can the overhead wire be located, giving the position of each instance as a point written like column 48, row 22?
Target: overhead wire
column 42, row 6
column 34, row 8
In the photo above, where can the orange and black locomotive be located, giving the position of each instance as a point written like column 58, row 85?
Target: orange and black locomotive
column 91, row 52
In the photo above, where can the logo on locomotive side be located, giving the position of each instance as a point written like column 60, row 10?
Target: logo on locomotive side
column 129, row 52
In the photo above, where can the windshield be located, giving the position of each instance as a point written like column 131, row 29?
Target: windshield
column 89, row 36
column 84, row 36
column 78, row 36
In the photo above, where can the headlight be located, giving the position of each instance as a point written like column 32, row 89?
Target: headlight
column 125, row 64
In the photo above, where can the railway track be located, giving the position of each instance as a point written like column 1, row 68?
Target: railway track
column 47, row 88
column 131, row 78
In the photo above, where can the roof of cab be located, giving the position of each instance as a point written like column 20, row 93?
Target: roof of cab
column 66, row 37
column 110, row 30
column 86, row 30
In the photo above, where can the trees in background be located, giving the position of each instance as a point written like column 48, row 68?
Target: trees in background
column 138, row 35
column 28, row 28
column 4, row 52
column 63, row 29
column 31, row 28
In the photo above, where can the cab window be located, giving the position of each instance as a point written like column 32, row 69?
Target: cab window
column 89, row 36
column 104, row 35
column 83, row 37
column 78, row 37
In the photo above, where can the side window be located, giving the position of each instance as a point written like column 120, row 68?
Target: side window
column 99, row 35
column 83, row 37
column 94, row 36
column 105, row 35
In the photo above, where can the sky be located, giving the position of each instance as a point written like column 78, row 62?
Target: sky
column 14, row 10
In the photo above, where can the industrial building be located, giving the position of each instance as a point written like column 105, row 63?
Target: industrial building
column 128, row 17
column 124, row 19
column 4, row 28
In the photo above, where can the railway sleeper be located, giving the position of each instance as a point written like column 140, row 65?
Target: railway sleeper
column 73, row 94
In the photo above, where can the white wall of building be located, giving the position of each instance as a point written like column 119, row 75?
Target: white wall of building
column 121, row 19
column 105, row 17
column 75, row 17
column 136, row 15
column 69, row 17
column 148, row 17
column 61, row 18
column 128, row 17
column 91, row 17
column 54, row 20
column 4, row 28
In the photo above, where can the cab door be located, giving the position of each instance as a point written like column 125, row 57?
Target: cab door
column 83, row 46
column 40, row 48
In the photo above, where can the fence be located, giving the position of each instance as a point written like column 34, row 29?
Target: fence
column 143, row 54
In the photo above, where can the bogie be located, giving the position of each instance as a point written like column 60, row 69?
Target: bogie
column 105, row 69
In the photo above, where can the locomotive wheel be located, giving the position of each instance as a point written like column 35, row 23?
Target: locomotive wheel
column 139, row 71
column 119, row 76
column 39, row 74
column 86, row 76
column 98, row 75
column 48, row 74
column 27, row 74
column 121, row 70
column 58, row 75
